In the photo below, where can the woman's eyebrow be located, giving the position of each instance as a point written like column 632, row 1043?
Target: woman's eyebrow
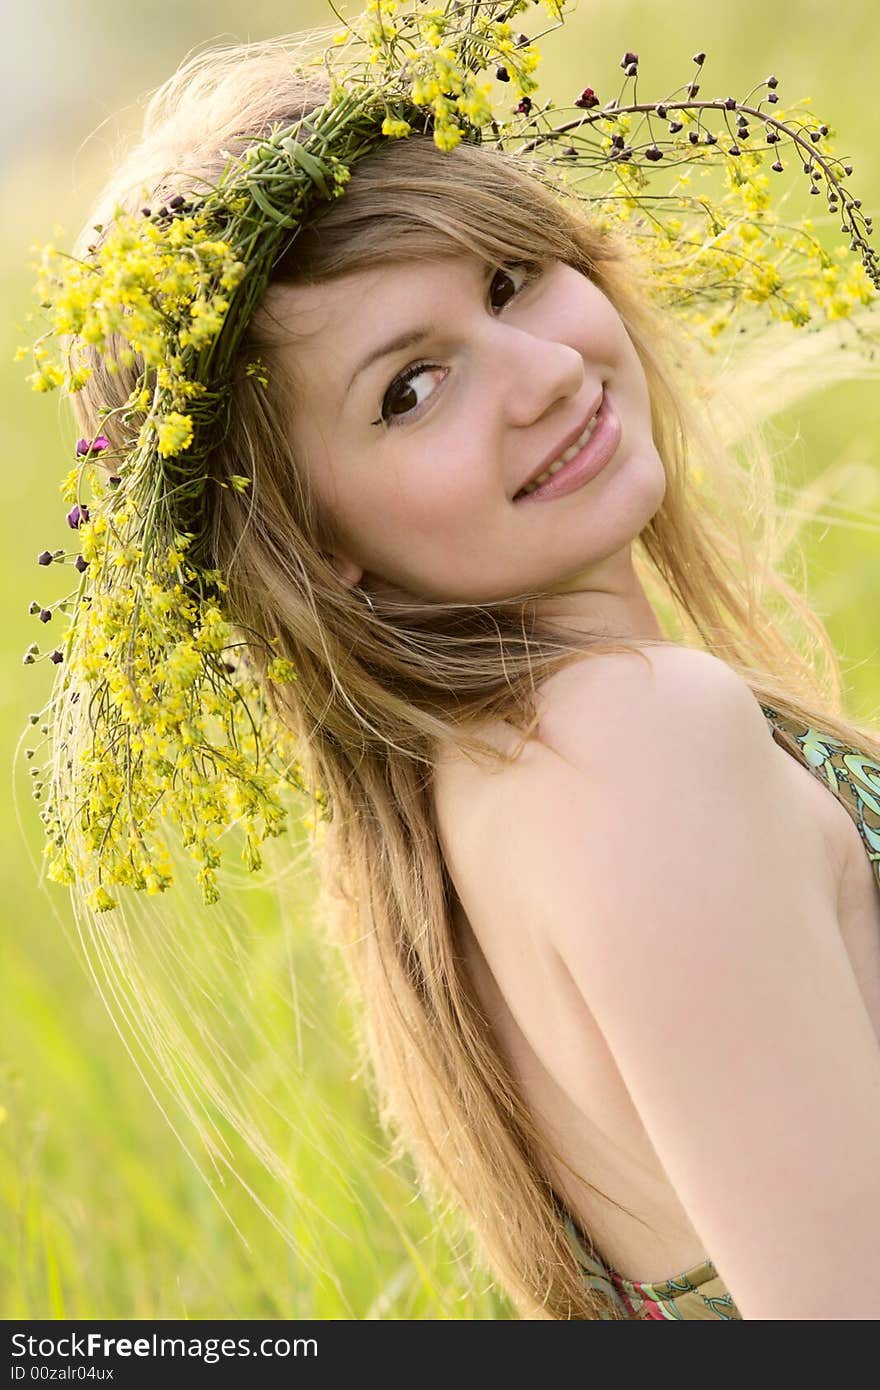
column 411, row 338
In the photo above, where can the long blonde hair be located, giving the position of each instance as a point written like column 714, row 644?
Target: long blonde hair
column 379, row 692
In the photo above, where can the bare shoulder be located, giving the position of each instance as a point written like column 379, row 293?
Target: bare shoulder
column 609, row 687
column 620, row 696
column 639, row 723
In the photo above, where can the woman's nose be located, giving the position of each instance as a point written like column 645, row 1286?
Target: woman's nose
column 541, row 375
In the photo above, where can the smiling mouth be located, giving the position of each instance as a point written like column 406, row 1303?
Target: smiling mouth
column 565, row 457
column 585, row 462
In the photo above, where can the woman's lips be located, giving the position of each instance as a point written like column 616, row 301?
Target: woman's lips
column 599, row 450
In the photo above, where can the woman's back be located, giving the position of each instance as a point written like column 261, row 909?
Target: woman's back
column 540, row 1012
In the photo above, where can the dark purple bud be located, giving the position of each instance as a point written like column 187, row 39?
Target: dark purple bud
column 710, row 139
column 694, row 137
column 618, row 141
column 114, row 480
column 56, row 656
column 632, row 70
column 814, row 189
column 177, row 201
column 815, row 135
column 80, row 564
column 772, row 137
column 145, row 212
column 45, row 615
column 847, row 168
column 33, row 607
column 823, row 130
column 587, row 99
column 628, row 59
column 653, row 154
column 699, row 59
column 857, row 202
column 772, row 98
column 772, row 81
column 163, row 211
column 569, row 149
column 524, row 107
column 99, row 443
column 778, row 166
column 730, row 103
column 675, row 126
column 807, row 168
column 734, row 149
column 521, row 40
column 502, row 74
column 76, row 515
column 693, row 89
column 44, row 557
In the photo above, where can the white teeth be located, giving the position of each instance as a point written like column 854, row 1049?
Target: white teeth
column 563, row 459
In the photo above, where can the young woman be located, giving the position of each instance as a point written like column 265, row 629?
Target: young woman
column 605, row 850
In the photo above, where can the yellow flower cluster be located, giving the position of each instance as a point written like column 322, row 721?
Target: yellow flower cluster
column 710, row 252
column 280, row 669
column 428, row 47
column 174, row 434
column 141, row 275
column 191, row 742
column 139, row 283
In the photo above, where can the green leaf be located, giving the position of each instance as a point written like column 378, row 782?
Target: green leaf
column 307, row 162
column 262, row 202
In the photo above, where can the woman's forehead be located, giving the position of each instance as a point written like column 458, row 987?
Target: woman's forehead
column 347, row 312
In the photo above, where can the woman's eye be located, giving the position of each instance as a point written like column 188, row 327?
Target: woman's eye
column 402, row 398
column 526, row 269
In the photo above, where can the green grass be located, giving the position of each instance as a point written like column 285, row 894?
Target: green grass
column 102, row 1213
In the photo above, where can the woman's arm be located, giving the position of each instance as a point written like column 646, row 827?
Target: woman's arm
column 692, row 902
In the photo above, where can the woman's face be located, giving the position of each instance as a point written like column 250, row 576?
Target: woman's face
column 418, row 451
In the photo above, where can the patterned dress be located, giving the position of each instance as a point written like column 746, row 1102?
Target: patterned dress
column 699, row 1292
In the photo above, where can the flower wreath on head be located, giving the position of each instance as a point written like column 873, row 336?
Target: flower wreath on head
column 155, row 710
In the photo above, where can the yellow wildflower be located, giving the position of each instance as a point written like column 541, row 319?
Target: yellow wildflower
column 280, row 669
column 175, row 434
column 394, row 128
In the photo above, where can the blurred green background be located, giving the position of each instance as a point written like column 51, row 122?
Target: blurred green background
column 102, row 1213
